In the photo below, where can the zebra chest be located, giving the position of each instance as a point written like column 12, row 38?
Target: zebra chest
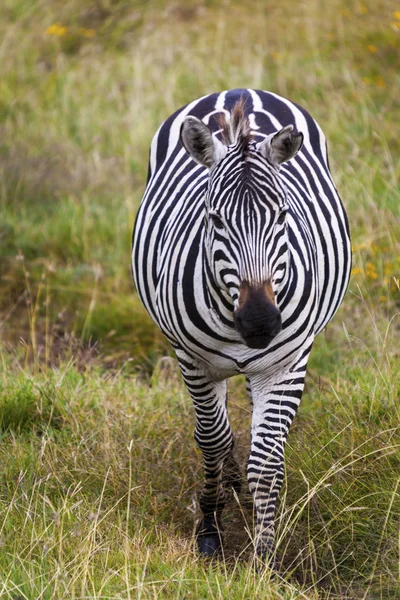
column 186, row 318
column 202, row 334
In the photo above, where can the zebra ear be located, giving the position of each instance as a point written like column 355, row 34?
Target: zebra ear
column 282, row 146
column 200, row 143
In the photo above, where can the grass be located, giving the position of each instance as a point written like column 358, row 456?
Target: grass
column 101, row 477
column 99, row 470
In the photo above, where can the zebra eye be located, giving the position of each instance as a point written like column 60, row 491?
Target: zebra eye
column 282, row 216
column 217, row 221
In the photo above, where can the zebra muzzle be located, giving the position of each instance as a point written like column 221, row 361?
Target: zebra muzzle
column 257, row 319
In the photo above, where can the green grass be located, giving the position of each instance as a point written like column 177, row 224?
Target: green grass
column 98, row 465
column 100, row 477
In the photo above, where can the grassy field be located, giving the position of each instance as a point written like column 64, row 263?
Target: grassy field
column 99, row 471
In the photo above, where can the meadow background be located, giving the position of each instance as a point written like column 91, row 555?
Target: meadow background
column 98, row 467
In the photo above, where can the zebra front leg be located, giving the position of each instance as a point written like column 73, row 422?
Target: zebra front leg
column 265, row 472
column 274, row 406
column 214, row 437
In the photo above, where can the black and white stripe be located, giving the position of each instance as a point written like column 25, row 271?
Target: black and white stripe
column 241, row 255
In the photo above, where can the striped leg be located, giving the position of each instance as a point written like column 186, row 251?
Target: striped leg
column 214, row 437
column 274, row 406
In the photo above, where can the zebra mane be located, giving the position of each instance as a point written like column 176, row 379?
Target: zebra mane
column 236, row 128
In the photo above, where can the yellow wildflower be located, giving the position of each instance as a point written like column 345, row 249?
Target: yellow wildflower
column 57, row 29
column 356, row 271
column 371, row 275
column 371, row 48
column 362, row 9
column 366, row 80
column 370, row 271
column 396, row 14
column 382, row 299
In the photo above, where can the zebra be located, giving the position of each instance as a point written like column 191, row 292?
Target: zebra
column 241, row 255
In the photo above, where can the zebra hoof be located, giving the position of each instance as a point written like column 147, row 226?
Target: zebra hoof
column 209, row 545
column 209, row 537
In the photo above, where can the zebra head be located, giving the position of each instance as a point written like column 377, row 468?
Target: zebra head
column 246, row 240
